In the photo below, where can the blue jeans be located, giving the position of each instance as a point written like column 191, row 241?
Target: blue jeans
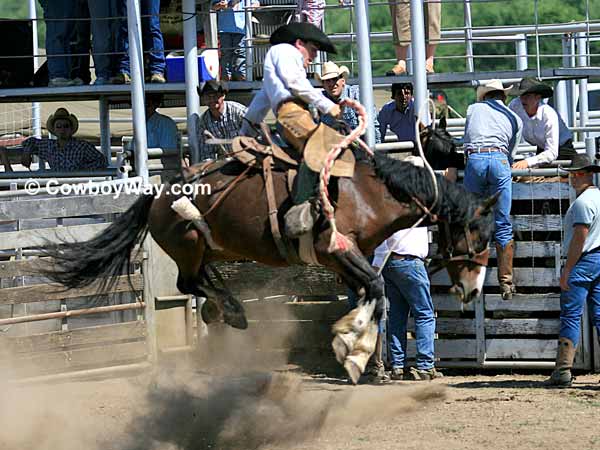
column 408, row 288
column 584, row 284
column 486, row 174
column 233, row 54
column 103, row 35
column 58, row 36
column 152, row 39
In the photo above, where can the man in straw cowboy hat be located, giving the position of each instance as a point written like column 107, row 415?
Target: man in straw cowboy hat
column 542, row 126
column 492, row 134
column 65, row 153
column 333, row 78
column 287, row 92
column 580, row 277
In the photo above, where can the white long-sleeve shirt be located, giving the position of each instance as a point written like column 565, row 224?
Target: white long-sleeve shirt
column 284, row 78
column 404, row 242
column 545, row 130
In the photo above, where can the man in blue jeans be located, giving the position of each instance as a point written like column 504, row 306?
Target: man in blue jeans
column 152, row 40
column 407, row 288
column 492, row 134
column 580, row 278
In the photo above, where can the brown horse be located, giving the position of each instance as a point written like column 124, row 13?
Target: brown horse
column 384, row 195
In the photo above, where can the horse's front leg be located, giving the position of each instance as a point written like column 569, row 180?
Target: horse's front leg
column 356, row 333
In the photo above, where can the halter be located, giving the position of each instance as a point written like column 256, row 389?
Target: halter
column 440, row 262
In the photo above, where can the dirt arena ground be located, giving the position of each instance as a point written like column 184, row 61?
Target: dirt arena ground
column 189, row 410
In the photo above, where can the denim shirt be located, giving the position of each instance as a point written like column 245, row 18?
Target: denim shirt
column 232, row 19
column 401, row 123
column 349, row 115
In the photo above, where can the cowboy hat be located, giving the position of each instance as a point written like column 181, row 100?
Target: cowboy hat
column 211, row 87
column 582, row 163
column 62, row 114
column 332, row 70
column 307, row 32
column 530, row 85
column 490, row 86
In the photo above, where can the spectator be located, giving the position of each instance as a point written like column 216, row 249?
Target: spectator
column 59, row 15
column 400, row 10
column 161, row 130
column 222, row 119
column 399, row 115
column 580, row 278
column 66, row 153
column 232, row 31
column 492, row 134
column 408, row 289
column 311, row 11
column 542, row 126
column 81, row 44
column 152, row 41
column 104, row 35
column 333, row 78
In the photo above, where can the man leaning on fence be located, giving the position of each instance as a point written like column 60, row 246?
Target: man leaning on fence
column 65, row 153
column 222, row 120
column 580, row 277
column 542, row 126
column 492, row 134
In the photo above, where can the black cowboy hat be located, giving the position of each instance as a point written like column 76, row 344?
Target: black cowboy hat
column 582, row 163
column 307, row 32
column 530, row 85
column 213, row 86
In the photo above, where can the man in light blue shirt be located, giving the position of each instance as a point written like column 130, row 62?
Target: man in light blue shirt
column 161, row 131
column 399, row 114
column 580, row 277
column 492, row 134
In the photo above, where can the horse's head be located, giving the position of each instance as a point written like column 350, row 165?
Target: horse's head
column 438, row 145
column 464, row 251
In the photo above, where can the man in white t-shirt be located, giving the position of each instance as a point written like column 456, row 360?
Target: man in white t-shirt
column 407, row 288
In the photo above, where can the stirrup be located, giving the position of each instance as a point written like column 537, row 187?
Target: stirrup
column 299, row 220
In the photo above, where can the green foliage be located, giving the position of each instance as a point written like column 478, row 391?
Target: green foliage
column 19, row 9
column 489, row 57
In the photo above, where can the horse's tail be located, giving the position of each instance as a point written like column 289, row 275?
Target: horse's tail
column 104, row 257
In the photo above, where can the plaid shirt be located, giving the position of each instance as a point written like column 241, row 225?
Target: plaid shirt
column 75, row 155
column 225, row 127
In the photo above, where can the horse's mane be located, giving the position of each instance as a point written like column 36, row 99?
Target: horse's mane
column 405, row 180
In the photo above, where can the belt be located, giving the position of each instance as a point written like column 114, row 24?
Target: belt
column 396, row 256
column 483, row 150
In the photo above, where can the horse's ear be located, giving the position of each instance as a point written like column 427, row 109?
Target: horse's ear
column 487, row 205
column 442, row 123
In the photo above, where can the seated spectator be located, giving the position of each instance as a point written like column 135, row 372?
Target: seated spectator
column 542, row 126
column 152, row 41
column 161, row 130
column 399, row 115
column 223, row 119
column 232, row 30
column 401, row 32
column 333, row 78
column 65, row 153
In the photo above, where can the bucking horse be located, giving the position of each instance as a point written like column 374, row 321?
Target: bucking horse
column 242, row 215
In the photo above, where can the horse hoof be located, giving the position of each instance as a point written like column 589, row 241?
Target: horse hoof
column 210, row 312
column 354, row 372
column 340, row 348
column 236, row 320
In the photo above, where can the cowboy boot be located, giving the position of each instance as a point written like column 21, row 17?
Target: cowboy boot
column 301, row 217
column 561, row 376
column 505, row 269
